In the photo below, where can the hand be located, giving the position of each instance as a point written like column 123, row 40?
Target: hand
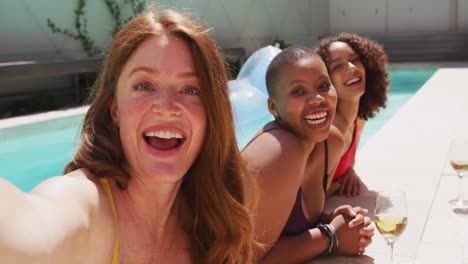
column 352, row 240
column 334, row 187
column 366, row 231
column 352, row 212
column 350, row 183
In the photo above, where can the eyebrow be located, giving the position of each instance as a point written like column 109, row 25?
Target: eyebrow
column 142, row 68
column 295, row 81
column 292, row 82
column 324, row 77
column 154, row 71
column 339, row 58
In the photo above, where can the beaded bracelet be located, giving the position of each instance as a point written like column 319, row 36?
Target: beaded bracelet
column 330, row 234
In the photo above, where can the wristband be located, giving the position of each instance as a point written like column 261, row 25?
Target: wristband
column 330, row 234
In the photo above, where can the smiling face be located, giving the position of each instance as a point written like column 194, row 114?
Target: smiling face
column 346, row 71
column 158, row 109
column 304, row 99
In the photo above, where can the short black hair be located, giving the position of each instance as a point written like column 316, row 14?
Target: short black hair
column 286, row 57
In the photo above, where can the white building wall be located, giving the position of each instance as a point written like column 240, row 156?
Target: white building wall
column 364, row 16
column 418, row 15
column 463, row 15
column 250, row 24
column 360, row 16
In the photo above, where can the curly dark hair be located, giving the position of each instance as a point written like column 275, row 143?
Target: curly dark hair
column 373, row 58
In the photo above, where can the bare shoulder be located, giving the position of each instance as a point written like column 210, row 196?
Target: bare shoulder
column 79, row 182
column 274, row 148
column 360, row 124
column 277, row 158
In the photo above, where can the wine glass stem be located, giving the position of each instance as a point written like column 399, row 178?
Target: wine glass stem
column 391, row 252
column 460, row 187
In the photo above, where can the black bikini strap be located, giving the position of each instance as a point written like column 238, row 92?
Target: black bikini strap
column 325, row 177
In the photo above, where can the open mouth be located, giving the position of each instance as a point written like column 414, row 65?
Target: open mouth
column 353, row 81
column 317, row 118
column 164, row 140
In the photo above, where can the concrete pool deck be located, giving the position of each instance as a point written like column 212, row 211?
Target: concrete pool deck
column 409, row 153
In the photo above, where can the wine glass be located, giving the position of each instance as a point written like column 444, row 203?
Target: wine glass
column 391, row 216
column 458, row 157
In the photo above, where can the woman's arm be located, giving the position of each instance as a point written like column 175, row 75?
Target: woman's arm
column 53, row 220
column 277, row 159
column 350, row 183
column 310, row 244
column 297, row 249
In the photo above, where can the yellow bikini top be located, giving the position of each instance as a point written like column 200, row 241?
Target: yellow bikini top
column 105, row 185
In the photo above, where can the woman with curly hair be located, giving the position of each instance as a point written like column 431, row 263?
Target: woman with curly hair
column 157, row 177
column 357, row 68
column 292, row 158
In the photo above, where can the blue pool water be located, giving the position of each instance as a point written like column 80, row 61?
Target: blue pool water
column 403, row 85
column 31, row 153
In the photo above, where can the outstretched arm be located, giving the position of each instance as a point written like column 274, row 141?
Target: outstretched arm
column 51, row 221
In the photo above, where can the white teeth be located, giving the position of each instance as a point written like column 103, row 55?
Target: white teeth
column 163, row 134
column 316, row 116
column 352, row 81
column 315, row 122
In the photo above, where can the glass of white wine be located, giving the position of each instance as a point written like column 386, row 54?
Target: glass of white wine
column 458, row 157
column 391, row 216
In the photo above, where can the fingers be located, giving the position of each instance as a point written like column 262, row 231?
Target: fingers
column 334, row 187
column 356, row 186
column 347, row 210
column 359, row 210
column 349, row 186
column 358, row 220
column 365, row 241
column 344, row 183
column 367, row 231
column 361, row 250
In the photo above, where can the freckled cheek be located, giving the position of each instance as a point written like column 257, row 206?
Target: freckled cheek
column 131, row 113
column 196, row 113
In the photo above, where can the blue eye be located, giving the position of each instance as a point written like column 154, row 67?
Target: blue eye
column 144, row 86
column 191, row 90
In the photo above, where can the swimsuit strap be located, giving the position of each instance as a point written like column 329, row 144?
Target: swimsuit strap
column 325, row 177
column 105, row 185
column 272, row 125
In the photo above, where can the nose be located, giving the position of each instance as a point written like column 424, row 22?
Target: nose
column 315, row 98
column 165, row 104
column 351, row 66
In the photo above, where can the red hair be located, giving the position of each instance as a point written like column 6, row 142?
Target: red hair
column 218, row 189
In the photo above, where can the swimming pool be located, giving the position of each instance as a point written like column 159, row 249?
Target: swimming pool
column 32, row 152
column 405, row 81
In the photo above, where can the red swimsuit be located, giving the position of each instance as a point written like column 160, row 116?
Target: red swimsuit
column 348, row 158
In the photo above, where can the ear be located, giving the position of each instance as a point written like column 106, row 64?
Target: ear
column 272, row 107
column 114, row 111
